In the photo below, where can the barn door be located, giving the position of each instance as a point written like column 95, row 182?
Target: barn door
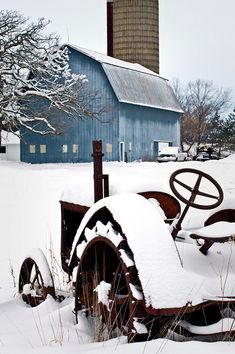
column 155, row 150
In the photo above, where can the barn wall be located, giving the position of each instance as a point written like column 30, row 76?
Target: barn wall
column 78, row 134
column 123, row 128
column 141, row 126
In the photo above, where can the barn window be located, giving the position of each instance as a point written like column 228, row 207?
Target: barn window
column 43, row 149
column 64, row 148
column 109, row 148
column 75, row 148
column 32, row 149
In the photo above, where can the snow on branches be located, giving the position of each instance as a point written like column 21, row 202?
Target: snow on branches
column 35, row 78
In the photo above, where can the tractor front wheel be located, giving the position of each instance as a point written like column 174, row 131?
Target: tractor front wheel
column 35, row 279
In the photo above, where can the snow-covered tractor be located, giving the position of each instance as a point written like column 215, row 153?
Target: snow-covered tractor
column 136, row 270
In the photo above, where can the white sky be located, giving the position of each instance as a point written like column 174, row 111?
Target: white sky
column 196, row 36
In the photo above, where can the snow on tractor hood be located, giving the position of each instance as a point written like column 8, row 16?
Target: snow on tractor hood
column 164, row 282
column 122, row 179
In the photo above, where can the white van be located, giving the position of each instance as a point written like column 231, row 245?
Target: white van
column 171, row 153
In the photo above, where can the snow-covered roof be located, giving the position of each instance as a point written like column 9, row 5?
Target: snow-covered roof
column 102, row 58
column 135, row 84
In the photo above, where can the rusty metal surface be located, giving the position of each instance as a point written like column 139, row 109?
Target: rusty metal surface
column 194, row 192
column 71, row 216
column 221, row 215
column 101, row 261
column 209, row 241
column 168, row 203
column 101, row 188
column 30, row 274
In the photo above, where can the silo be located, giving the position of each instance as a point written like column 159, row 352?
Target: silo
column 133, row 31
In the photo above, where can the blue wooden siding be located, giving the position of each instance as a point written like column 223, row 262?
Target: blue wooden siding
column 141, row 126
column 77, row 131
column 136, row 126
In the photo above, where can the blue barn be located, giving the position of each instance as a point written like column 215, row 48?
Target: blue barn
column 140, row 114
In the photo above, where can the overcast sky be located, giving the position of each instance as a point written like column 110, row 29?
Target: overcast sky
column 196, row 36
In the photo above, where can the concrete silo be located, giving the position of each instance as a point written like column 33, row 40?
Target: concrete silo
column 133, row 31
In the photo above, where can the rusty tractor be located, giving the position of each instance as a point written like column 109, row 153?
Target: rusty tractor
column 139, row 273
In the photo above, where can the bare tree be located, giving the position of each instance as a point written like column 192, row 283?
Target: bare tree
column 35, row 78
column 201, row 102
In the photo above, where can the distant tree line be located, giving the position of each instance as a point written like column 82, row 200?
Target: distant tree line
column 222, row 132
column 203, row 121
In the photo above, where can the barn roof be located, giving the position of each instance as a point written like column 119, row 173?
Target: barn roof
column 135, row 84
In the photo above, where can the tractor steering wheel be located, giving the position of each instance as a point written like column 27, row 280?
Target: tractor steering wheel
column 194, row 190
column 174, row 181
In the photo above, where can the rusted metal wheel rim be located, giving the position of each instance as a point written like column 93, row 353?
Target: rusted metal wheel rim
column 101, row 261
column 194, row 190
column 32, row 277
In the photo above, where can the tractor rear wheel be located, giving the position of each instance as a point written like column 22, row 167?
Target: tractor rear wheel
column 104, row 290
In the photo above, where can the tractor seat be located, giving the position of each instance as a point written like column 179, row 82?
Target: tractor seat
column 220, row 232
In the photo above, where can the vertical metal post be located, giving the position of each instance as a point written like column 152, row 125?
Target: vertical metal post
column 98, row 170
column 101, row 182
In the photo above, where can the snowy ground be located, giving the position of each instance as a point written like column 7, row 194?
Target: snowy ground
column 30, row 217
